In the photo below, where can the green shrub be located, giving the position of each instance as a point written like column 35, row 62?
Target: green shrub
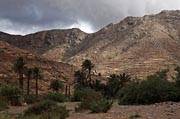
column 115, row 83
column 57, row 97
column 3, row 104
column 56, row 85
column 101, row 106
column 31, row 99
column 12, row 94
column 6, row 116
column 41, row 107
column 80, row 94
column 91, row 97
column 45, row 110
column 59, row 112
column 148, row 92
column 133, row 116
column 178, row 83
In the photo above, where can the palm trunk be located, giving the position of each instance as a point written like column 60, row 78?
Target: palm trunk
column 21, row 80
column 20, row 86
column 28, row 86
column 89, row 76
column 66, row 91
column 69, row 93
column 36, row 85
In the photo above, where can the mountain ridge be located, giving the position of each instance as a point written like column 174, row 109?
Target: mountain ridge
column 139, row 46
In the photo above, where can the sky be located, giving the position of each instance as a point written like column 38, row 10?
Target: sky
column 29, row 16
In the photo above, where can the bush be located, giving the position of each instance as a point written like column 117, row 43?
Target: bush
column 80, row 94
column 31, row 99
column 57, row 97
column 91, row 97
column 148, row 92
column 59, row 112
column 178, row 83
column 101, row 106
column 41, row 107
column 12, row 94
column 3, row 104
column 45, row 110
column 56, row 85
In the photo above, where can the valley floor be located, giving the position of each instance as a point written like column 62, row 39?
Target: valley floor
column 166, row 110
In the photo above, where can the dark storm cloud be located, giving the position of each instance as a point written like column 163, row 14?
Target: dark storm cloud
column 25, row 16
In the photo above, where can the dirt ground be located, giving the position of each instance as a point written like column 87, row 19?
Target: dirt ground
column 166, row 110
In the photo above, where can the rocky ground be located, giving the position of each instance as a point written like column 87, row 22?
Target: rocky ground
column 166, row 110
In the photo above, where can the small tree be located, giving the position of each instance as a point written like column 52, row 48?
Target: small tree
column 87, row 65
column 80, row 79
column 19, row 66
column 56, row 85
column 115, row 83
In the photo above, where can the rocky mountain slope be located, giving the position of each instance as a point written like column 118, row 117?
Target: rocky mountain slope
column 49, row 69
column 137, row 45
column 41, row 42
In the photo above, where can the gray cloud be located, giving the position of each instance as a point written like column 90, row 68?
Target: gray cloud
column 26, row 16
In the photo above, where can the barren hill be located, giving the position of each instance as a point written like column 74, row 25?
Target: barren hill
column 49, row 69
column 137, row 45
column 41, row 42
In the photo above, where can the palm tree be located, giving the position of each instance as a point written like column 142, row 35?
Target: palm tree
column 36, row 72
column 19, row 66
column 87, row 65
column 79, row 79
column 116, row 82
column 124, row 78
column 56, row 85
column 29, row 72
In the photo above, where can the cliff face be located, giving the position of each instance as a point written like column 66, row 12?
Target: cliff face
column 137, row 45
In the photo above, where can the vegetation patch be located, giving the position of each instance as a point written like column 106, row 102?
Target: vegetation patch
column 93, row 101
column 58, row 112
column 80, row 94
column 101, row 106
column 31, row 99
column 134, row 116
column 40, row 107
column 57, row 97
column 148, row 91
column 11, row 94
column 45, row 110
column 3, row 104
column 56, row 85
